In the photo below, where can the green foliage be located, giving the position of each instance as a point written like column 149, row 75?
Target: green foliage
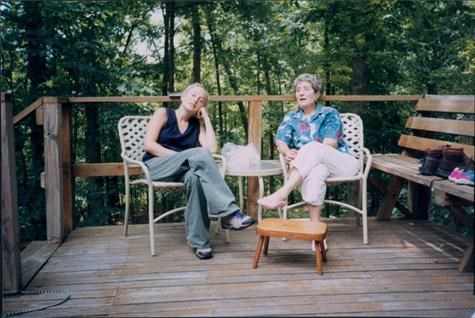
column 91, row 48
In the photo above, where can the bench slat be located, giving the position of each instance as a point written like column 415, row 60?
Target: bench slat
column 449, row 126
column 462, row 191
column 463, row 104
column 401, row 166
column 421, row 144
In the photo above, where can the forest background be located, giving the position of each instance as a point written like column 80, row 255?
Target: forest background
column 130, row 48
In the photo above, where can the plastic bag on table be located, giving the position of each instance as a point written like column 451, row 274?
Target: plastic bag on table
column 239, row 156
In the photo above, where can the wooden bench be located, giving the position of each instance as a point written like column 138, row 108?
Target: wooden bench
column 440, row 120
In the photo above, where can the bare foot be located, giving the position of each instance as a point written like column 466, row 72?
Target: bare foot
column 272, row 201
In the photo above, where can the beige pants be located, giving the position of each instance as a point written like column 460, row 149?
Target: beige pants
column 316, row 162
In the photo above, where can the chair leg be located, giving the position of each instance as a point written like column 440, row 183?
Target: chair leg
column 318, row 258
column 127, row 206
column 364, row 208
column 266, row 245
column 226, row 235
column 151, row 223
column 218, row 228
column 217, row 224
column 258, row 251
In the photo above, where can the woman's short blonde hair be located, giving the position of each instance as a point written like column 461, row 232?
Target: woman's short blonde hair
column 315, row 81
column 191, row 86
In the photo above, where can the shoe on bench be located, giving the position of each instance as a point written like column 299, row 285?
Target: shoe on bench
column 236, row 221
column 204, row 253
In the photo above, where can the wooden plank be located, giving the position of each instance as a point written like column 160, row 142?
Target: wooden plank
column 103, row 169
column 37, row 103
column 243, row 98
column 461, row 216
column 448, row 105
column 421, row 144
column 467, row 263
column 33, row 257
column 462, row 191
column 39, row 116
column 392, row 194
column 68, row 180
column 255, row 136
column 53, row 171
column 397, row 165
column 449, row 126
column 11, row 261
column 409, row 264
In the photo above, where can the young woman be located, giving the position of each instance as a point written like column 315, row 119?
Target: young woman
column 173, row 153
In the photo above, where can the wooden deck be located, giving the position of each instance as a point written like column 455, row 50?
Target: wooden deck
column 409, row 268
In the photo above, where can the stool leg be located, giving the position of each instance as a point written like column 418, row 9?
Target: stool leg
column 258, row 251
column 266, row 245
column 318, row 257
column 324, row 253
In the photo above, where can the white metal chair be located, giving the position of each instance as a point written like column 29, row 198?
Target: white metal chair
column 132, row 132
column 353, row 135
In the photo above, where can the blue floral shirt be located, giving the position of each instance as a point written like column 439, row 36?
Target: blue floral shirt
column 296, row 130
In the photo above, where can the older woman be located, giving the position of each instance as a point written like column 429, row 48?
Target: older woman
column 172, row 153
column 311, row 141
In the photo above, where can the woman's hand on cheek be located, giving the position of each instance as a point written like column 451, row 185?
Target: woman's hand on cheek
column 201, row 114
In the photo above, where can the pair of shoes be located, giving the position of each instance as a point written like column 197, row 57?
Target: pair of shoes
column 204, row 253
column 463, row 176
column 236, row 221
column 325, row 246
column 451, row 158
column 441, row 161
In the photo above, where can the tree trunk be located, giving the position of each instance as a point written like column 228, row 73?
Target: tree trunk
column 359, row 81
column 196, row 44
column 326, row 46
column 171, row 46
column 37, row 74
column 218, row 83
column 166, row 51
column 93, row 154
column 232, row 81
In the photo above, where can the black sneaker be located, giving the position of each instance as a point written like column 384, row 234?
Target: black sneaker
column 236, row 221
column 204, row 253
column 429, row 164
column 452, row 158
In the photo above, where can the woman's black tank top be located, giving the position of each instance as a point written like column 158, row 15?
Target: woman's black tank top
column 170, row 136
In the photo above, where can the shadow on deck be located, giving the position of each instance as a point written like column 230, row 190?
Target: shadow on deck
column 409, row 268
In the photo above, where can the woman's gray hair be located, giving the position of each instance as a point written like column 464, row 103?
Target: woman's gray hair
column 315, row 81
column 191, row 86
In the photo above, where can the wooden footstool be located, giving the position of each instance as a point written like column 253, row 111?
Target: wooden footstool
column 293, row 229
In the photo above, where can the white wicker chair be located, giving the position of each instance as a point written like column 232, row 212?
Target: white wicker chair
column 353, row 135
column 132, row 132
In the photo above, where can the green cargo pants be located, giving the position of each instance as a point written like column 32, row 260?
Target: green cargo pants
column 207, row 194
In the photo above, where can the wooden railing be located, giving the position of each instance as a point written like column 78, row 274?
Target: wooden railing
column 55, row 115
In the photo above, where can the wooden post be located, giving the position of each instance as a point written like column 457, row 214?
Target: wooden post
column 11, row 262
column 418, row 200
column 254, row 132
column 53, row 169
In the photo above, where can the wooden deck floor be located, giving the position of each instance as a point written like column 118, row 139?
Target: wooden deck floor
column 409, row 268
